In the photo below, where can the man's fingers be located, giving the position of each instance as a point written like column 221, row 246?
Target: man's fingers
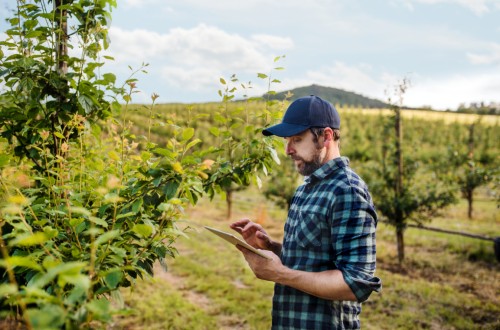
column 255, row 227
column 262, row 235
column 239, row 225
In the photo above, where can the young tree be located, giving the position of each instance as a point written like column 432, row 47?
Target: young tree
column 472, row 169
column 404, row 191
column 239, row 154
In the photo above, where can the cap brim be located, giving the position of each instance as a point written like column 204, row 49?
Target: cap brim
column 284, row 130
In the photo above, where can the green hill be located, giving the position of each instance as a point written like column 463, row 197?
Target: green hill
column 335, row 96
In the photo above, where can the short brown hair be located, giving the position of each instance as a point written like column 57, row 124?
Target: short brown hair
column 318, row 131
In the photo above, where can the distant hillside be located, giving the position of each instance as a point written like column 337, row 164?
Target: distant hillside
column 335, row 96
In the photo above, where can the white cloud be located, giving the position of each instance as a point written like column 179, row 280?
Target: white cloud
column 140, row 3
column 440, row 93
column 359, row 79
column 479, row 7
column 273, row 42
column 197, row 47
column 450, row 92
column 194, row 59
column 491, row 58
column 194, row 79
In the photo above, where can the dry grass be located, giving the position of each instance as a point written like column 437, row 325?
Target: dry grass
column 446, row 117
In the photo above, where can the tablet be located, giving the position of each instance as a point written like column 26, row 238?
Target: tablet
column 236, row 241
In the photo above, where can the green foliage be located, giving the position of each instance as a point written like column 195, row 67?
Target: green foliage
column 402, row 189
column 241, row 155
column 88, row 205
column 473, row 168
column 282, row 184
column 41, row 95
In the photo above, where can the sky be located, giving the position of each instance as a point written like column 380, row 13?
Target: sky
column 449, row 50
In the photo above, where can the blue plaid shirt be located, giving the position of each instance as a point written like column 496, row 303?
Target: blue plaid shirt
column 331, row 225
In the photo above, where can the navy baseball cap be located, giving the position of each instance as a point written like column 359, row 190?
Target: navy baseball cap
column 304, row 113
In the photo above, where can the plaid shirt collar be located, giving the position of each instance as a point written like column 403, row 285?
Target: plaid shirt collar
column 328, row 168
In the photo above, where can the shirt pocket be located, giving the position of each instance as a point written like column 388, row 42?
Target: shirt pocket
column 308, row 231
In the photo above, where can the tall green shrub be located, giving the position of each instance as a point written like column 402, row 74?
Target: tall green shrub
column 86, row 206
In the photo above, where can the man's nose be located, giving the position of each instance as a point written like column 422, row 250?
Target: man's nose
column 289, row 149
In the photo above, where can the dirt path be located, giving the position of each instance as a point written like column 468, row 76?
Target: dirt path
column 224, row 321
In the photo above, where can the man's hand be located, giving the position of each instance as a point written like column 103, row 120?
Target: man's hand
column 253, row 234
column 329, row 284
column 263, row 268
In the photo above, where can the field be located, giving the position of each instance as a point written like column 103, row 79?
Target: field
column 446, row 117
column 133, row 176
column 446, row 282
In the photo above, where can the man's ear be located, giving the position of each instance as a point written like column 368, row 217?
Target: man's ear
column 328, row 136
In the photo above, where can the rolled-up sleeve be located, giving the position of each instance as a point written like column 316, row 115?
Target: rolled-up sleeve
column 354, row 223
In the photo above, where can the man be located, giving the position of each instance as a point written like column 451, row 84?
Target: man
column 325, row 266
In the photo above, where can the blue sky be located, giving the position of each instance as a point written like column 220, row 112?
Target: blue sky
column 448, row 49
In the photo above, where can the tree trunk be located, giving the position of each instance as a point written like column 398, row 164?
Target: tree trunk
column 62, row 38
column 470, row 200
column 470, row 156
column 398, row 125
column 399, row 186
column 229, row 203
column 401, row 244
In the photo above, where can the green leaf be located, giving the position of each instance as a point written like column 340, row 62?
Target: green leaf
column 170, row 189
column 125, row 215
column 113, row 278
column 164, row 152
column 79, row 210
column 79, row 280
column 214, row 130
column 29, row 239
column 274, row 155
column 74, row 222
column 106, row 237
column 143, row 230
column 20, row 261
column 59, row 135
column 109, row 78
column 50, row 316
column 262, row 75
column 187, row 133
column 7, row 289
column 86, row 102
column 100, row 309
column 137, row 205
column 33, row 34
column 258, row 181
column 4, row 160
column 192, row 144
column 99, row 221
column 61, row 269
column 50, row 232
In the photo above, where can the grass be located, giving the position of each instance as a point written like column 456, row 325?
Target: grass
column 446, row 282
column 447, row 117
